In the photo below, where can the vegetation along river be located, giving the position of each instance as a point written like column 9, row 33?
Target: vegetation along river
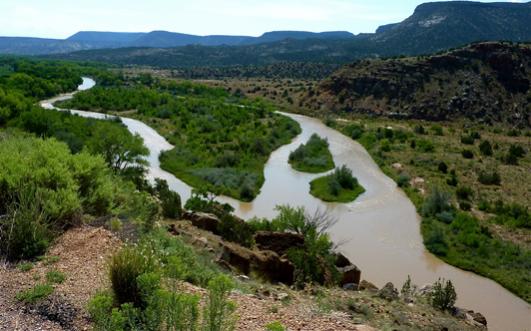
column 379, row 232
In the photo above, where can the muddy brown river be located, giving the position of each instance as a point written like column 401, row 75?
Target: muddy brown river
column 379, row 232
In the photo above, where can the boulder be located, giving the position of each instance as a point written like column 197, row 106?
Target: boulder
column 278, row 242
column 342, row 261
column 367, row 286
column 208, row 222
column 266, row 264
column 477, row 317
column 349, row 275
column 388, row 292
column 350, row 287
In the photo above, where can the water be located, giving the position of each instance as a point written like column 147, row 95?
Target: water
column 379, row 232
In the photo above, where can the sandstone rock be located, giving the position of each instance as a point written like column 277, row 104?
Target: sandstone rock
column 397, row 166
column 267, row 264
column 477, row 317
column 208, row 222
column 342, row 261
column 367, row 286
column 278, row 242
column 388, row 292
column 349, row 275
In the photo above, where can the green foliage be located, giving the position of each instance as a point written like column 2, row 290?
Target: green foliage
column 467, row 154
column 425, row 146
column 125, row 269
column 36, row 293
column 55, row 277
column 464, row 193
column 340, row 186
column 25, row 267
column 442, row 167
column 312, row 157
column 491, row 177
column 170, row 200
column 443, row 295
column 403, row 180
column 104, row 316
column 437, row 202
column 219, row 312
column 485, row 148
column 407, row 288
column 221, row 142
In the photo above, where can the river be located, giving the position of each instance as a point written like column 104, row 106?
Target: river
column 379, row 232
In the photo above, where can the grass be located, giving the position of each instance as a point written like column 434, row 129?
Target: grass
column 312, row 157
column 36, row 293
column 25, row 267
column 55, row 277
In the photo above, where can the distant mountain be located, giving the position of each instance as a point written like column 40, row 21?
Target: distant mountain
column 436, row 26
column 274, row 36
column 110, row 39
column 489, row 82
column 87, row 40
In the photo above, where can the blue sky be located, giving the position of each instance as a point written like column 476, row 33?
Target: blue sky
column 61, row 18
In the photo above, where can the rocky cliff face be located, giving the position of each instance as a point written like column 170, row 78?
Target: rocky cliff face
column 486, row 81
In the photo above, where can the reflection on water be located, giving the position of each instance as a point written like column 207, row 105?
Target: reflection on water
column 379, row 231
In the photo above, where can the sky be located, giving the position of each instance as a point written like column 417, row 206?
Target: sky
column 62, row 18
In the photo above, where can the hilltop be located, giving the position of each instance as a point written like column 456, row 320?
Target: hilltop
column 486, row 81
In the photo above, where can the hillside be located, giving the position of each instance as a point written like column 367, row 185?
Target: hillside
column 432, row 27
column 486, row 81
column 436, row 26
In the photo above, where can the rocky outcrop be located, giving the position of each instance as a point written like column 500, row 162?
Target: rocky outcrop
column 486, row 81
column 349, row 275
column 266, row 264
column 388, row 292
column 204, row 221
column 367, row 286
column 278, row 242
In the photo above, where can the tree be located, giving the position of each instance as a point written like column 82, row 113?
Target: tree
column 443, row 296
column 117, row 147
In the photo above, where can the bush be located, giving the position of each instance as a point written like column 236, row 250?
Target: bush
column 104, row 316
column 403, row 180
column 464, row 192
column 126, row 266
column 435, row 241
column 485, row 148
column 443, row 295
column 489, row 177
column 219, row 312
column 236, row 230
column 442, row 167
column 419, row 129
column 467, row 154
column 170, row 200
column 425, row 146
column 463, row 205
column 437, row 202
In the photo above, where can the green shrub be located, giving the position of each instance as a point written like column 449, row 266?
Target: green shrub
column 173, row 311
column 25, row 231
column 467, row 154
column 425, row 146
column 236, row 230
column 104, row 316
column 403, row 180
column 36, row 293
column 219, row 312
column 170, row 200
column 419, row 129
column 464, row 193
column 126, row 266
column 463, row 205
column 55, row 277
column 437, row 202
column 485, row 148
column 435, row 241
column 443, row 295
column 486, row 177
column 442, row 167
